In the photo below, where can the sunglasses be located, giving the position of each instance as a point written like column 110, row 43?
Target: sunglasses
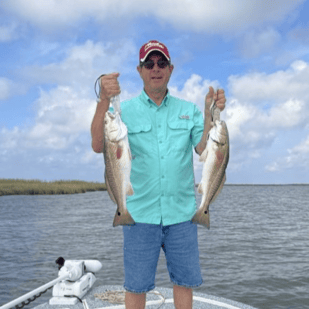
column 150, row 64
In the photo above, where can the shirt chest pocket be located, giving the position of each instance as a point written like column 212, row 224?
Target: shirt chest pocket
column 179, row 134
column 140, row 138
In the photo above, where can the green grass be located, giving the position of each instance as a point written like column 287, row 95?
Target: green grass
column 31, row 187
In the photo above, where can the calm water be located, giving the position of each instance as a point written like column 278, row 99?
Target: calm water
column 256, row 252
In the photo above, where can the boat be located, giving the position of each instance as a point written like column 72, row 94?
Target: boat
column 74, row 289
column 159, row 298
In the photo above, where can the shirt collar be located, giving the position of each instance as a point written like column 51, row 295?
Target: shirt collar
column 145, row 98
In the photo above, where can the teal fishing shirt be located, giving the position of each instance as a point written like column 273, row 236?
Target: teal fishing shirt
column 161, row 140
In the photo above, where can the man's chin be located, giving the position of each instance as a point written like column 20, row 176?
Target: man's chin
column 158, row 89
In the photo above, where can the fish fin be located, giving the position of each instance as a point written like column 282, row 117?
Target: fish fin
column 129, row 189
column 200, row 189
column 201, row 217
column 123, row 218
column 110, row 192
column 203, row 156
column 219, row 189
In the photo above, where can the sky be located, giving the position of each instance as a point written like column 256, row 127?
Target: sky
column 52, row 52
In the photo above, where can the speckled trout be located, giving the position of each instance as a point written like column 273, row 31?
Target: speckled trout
column 117, row 157
column 215, row 158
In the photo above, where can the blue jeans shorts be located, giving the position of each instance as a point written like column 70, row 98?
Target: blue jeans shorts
column 142, row 245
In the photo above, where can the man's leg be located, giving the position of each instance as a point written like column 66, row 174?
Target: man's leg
column 142, row 245
column 182, row 256
column 183, row 297
column 135, row 301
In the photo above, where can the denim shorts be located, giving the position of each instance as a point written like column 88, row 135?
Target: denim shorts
column 142, row 245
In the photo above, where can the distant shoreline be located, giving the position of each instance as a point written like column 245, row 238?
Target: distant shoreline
column 38, row 187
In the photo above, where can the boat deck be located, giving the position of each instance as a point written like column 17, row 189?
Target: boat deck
column 200, row 300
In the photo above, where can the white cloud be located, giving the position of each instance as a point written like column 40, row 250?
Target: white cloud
column 8, row 32
column 255, row 43
column 262, row 105
column 252, row 127
column 238, row 115
column 279, row 86
column 259, row 107
column 213, row 16
column 273, row 167
column 62, row 117
column 298, row 156
column 57, row 144
column 291, row 113
column 84, row 63
column 194, row 90
column 266, row 102
column 59, row 136
column 62, row 114
column 5, row 88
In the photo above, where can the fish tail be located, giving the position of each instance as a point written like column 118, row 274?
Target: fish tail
column 122, row 218
column 201, row 217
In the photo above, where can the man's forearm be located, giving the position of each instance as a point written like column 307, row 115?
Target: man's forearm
column 207, row 126
column 97, row 127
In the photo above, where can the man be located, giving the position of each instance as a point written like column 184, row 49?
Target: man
column 162, row 130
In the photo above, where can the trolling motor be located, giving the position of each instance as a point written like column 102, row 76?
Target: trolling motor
column 78, row 283
column 75, row 279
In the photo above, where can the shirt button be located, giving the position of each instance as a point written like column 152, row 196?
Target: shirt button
column 162, row 157
column 163, row 176
column 159, row 126
column 160, row 142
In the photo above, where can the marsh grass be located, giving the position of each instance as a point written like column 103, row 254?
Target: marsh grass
column 31, row 187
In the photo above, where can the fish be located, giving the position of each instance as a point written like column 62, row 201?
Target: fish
column 117, row 158
column 215, row 157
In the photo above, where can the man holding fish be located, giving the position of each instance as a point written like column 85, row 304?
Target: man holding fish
column 161, row 131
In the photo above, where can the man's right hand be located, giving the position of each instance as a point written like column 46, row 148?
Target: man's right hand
column 109, row 87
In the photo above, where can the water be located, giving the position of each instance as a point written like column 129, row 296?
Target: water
column 256, row 251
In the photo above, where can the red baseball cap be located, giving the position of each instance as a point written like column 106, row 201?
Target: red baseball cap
column 151, row 46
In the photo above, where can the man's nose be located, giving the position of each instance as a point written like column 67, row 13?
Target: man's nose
column 156, row 64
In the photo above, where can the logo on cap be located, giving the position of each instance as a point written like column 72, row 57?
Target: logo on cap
column 150, row 44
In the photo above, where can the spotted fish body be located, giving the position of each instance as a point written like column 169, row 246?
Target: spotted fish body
column 117, row 157
column 215, row 158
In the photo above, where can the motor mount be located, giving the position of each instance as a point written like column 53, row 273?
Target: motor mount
column 79, row 281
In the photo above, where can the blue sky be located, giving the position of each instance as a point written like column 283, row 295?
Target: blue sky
column 53, row 51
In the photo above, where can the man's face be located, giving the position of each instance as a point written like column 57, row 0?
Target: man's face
column 155, row 79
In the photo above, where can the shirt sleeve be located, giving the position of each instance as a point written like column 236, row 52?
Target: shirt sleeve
column 198, row 128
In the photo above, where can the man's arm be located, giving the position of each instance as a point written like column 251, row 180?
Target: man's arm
column 97, row 126
column 109, row 88
column 207, row 126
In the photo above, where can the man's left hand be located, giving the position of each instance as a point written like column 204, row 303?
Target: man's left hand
column 218, row 96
